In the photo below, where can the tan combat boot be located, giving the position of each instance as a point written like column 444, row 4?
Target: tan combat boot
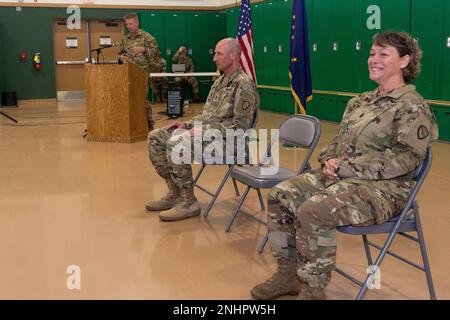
column 310, row 293
column 283, row 282
column 168, row 201
column 186, row 208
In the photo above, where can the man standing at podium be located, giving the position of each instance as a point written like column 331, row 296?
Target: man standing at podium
column 231, row 104
column 139, row 47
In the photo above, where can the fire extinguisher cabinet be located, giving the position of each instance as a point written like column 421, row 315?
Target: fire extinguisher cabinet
column 9, row 99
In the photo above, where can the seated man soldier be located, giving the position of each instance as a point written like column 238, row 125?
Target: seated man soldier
column 181, row 57
column 159, row 85
column 231, row 104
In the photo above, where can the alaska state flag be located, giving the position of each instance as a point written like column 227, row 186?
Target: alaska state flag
column 300, row 69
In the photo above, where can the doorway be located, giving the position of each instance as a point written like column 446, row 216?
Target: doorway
column 73, row 49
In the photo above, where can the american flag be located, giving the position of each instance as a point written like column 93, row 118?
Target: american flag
column 244, row 35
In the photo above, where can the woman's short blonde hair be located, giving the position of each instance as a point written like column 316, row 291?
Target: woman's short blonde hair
column 405, row 45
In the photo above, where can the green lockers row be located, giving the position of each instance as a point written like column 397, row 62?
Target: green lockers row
column 276, row 100
column 271, row 21
column 442, row 114
column 430, row 23
column 328, row 107
column 331, row 108
column 199, row 31
column 340, row 40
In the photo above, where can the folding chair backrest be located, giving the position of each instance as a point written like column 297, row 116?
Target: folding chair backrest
column 300, row 130
column 255, row 119
column 419, row 176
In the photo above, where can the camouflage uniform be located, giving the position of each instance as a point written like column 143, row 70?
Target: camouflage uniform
column 156, row 82
column 144, row 60
column 184, row 59
column 381, row 140
column 231, row 104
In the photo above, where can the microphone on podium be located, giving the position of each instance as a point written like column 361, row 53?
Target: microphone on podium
column 111, row 45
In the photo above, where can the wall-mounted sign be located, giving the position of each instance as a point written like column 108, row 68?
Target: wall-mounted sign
column 71, row 42
column 105, row 41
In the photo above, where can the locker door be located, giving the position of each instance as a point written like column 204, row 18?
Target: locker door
column 363, row 35
column 175, row 35
column 270, row 54
column 259, row 42
column 444, row 43
column 283, row 11
column 232, row 21
column 153, row 23
column 343, row 29
column 321, row 37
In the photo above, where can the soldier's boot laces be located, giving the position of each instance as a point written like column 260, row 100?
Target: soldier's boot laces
column 311, row 293
column 168, row 201
column 188, row 207
column 283, row 282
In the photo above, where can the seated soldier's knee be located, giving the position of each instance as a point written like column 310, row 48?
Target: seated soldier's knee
column 274, row 194
column 316, row 211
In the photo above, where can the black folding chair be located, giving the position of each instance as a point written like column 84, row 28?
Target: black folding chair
column 407, row 221
column 215, row 195
column 301, row 131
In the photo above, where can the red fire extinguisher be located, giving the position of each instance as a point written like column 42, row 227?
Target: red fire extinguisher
column 37, row 61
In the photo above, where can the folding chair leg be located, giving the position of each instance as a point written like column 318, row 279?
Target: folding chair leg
column 199, row 173
column 216, row 194
column 263, row 243
column 236, row 212
column 236, row 188
column 380, row 258
column 423, row 251
column 261, row 199
column 367, row 248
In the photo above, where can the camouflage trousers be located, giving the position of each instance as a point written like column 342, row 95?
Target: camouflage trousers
column 305, row 211
column 160, row 144
column 191, row 80
column 159, row 87
column 149, row 111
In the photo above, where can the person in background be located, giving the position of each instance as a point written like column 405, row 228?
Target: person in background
column 181, row 57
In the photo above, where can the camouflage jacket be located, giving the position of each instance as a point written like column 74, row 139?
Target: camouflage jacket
column 142, row 39
column 161, row 65
column 183, row 59
column 231, row 103
column 382, row 136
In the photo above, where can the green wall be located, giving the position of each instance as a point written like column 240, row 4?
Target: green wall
column 200, row 31
column 345, row 70
column 30, row 30
column 343, row 21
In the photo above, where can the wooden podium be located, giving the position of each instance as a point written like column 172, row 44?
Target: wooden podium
column 116, row 100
